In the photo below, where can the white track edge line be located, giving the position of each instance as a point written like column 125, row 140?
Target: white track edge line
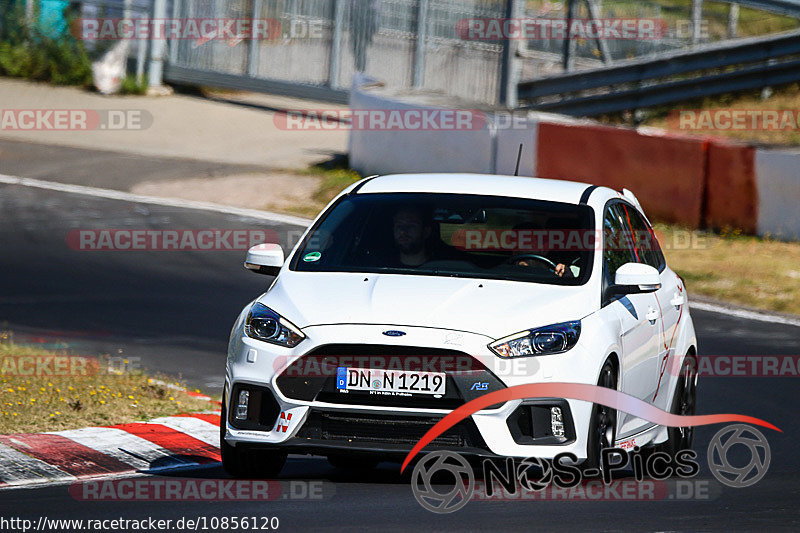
column 168, row 202
column 744, row 313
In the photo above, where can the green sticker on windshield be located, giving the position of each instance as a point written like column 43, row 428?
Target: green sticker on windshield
column 311, row 257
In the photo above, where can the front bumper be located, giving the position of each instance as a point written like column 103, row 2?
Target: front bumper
column 307, row 424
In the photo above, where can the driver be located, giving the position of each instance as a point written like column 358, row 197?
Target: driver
column 560, row 268
column 411, row 232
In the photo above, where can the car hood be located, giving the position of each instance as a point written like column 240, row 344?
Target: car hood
column 494, row 308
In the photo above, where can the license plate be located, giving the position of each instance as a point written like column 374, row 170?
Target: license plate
column 390, row 381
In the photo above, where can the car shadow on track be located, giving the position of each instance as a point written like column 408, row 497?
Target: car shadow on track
column 311, row 468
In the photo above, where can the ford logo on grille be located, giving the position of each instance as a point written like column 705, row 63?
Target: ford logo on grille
column 394, row 333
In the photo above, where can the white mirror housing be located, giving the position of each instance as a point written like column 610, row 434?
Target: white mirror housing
column 636, row 278
column 265, row 258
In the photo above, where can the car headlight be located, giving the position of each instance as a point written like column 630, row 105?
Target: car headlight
column 266, row 325
column 548, row 340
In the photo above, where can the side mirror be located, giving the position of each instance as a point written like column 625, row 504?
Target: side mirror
column 635, row 278
column 265, row 259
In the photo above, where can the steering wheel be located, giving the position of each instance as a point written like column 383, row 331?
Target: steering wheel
column 521, row 257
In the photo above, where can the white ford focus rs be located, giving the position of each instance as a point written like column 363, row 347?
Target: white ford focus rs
column 411, row 295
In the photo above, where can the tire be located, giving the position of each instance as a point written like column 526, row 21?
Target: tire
column 684, row 402
column 603, row 422
column 247, row 463
column 352, row 462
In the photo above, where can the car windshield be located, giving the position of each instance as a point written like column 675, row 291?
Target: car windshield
column 471, row 236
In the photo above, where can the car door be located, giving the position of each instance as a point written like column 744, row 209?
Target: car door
column 638, row 316
column 670, row 299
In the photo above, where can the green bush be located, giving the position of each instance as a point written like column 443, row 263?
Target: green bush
column 26, row 52
column 131, row 85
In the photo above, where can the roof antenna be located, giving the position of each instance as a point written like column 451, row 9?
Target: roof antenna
column 519, row 156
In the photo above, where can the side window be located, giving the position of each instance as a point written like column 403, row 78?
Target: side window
column 648, row 250
column 617, row 243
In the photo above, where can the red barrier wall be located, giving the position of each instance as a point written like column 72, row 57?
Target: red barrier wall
column 732, row 195
column 665, row 173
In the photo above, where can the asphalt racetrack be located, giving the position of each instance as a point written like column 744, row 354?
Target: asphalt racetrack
column 172, row 310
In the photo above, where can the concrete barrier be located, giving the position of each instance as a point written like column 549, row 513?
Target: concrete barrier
column 387, row 152
column 731, row 191
column 507, row 142
column 665, row 173
column 492, row 149
column 778, row 184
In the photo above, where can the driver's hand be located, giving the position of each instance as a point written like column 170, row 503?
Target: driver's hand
column 560, row 269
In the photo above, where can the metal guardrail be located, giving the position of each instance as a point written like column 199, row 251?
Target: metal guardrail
column 789, row 8
column 759, row 62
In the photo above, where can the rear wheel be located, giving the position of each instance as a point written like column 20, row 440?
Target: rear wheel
column 603, row 423
column 684, row 402
column 247, row 463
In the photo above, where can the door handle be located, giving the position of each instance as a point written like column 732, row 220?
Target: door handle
column 678, row 300
column 652, row 315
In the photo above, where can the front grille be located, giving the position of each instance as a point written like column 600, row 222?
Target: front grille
column 313, row 376
column 386, row 429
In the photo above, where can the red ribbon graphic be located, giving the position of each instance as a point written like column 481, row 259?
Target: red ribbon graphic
column 578, row 391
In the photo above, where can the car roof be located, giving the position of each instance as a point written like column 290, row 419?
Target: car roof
column 484, row 184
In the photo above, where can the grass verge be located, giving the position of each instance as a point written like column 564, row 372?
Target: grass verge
column 43, row 390
column 334, row 177
column 757, row 272
column 783, row 98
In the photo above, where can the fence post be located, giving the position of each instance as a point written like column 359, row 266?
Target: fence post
column 733, row 21
column 157, row 42
column 254, row 47
column 336, row 43
column 419, row 51
column 569, row 43
column 141, row 54
column 174, row 43
column 595, row 9
column 509, row 73
column 697, row 16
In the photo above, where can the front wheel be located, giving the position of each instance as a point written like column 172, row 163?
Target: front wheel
column 245, row 463
column 603, row 423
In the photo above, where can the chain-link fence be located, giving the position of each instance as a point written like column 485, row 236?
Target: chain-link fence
column 405, row 43
column 314, row 47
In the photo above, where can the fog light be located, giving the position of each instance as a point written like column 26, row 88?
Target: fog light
column 241, row 407
column 556, row 422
